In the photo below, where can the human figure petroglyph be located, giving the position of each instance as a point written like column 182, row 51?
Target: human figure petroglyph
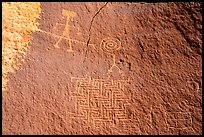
column 70, row 15
column 66, row 33
column 110, row 46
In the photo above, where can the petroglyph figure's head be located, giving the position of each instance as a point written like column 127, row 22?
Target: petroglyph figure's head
column 68, row 13
column 110, row 45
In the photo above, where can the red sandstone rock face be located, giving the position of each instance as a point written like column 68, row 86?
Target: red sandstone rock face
column 110, row 68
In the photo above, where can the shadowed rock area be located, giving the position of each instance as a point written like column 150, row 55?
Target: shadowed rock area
column 109, row 68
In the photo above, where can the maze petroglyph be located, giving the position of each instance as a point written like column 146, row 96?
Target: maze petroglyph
column 99, row 102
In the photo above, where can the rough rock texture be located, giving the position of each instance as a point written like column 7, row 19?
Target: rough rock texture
column 109, row 68
column 18, row 22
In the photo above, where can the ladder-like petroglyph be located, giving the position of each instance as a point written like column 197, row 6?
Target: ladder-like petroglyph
column 178, row 121
column 174, row 121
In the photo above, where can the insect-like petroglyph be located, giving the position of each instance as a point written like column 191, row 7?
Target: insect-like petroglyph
column 100, row 102
column 111, row 46
column 66, row 32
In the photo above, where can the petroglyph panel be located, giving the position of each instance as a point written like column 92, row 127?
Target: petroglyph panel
column 102, row 45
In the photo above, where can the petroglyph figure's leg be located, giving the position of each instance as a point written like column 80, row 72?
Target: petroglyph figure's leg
column 114, row 65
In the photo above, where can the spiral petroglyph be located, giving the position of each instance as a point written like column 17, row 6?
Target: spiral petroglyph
column 110, row 45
